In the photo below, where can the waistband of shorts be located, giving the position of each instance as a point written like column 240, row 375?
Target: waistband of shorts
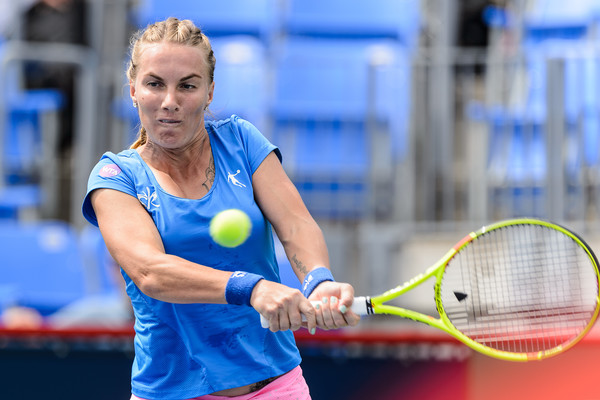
column 282, row 381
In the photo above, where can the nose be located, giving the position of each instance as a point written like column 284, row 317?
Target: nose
column 170, row 102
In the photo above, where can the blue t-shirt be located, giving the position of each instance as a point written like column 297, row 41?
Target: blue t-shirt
column 188, row 350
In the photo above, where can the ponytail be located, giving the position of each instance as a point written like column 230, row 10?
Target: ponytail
column 141, row 139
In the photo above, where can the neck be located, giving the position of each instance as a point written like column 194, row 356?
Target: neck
column 179, row 160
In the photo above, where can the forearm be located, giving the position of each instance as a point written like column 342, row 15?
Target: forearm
column 172, row 279
column 305, row 247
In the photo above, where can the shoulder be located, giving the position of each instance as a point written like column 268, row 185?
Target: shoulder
column 233, row 124
column 126, row 160
column 125, row 157
column 123, row 168
column 238, row 132
column 113, row 171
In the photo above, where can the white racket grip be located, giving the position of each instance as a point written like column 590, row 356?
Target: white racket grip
column 360, row 306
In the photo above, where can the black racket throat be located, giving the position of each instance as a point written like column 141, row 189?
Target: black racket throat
column 369, row 305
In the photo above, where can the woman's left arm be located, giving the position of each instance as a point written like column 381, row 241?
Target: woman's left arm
column 302, row 240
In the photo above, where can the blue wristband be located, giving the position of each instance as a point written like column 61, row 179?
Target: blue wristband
column 313, row 278
column 239, row 287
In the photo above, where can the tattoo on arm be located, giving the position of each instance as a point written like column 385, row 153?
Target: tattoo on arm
column 210, row 174
column 298, row 265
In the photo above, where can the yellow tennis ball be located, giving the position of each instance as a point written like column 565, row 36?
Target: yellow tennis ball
column 230, row 228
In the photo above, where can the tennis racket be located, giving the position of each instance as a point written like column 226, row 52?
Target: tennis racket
column 517, row 290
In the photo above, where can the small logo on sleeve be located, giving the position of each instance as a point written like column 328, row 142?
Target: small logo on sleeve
column 109, row 171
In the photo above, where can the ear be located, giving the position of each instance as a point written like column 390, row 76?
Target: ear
column 132, row 92
column 211, row 91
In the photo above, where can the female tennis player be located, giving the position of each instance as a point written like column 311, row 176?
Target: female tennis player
column 198, row 332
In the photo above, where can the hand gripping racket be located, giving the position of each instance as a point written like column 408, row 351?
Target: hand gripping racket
column 518, row 290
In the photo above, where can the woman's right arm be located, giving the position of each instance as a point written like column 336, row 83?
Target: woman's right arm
column 134, row 242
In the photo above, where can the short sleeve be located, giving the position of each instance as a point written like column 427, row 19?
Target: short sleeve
column 257, row 146
column 107, row 174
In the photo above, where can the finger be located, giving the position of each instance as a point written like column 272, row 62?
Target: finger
column 319, row 314
column 295, row 318
column 352, row 318
column 337, row 316
column 284, row 320
column 328, row 322
column 342, row 317
column 346, row 298
column 274, row 325
column 309, row 312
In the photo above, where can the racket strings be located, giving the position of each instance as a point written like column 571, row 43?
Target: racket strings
column 528, row 288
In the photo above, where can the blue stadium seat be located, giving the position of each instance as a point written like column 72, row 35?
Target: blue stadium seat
column 41, row 264
column 590, row 94
column 330, row 96
column 215, row 17
column 581, row 106
column 517, row 150
column 241, row 79
column 516, row 164
column 14, row 198
column 123, row 110
column 556, row 19
column 23, row 140
column 396, row 19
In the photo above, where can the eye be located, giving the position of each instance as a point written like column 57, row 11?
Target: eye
column 153, row 84
column 188, row 86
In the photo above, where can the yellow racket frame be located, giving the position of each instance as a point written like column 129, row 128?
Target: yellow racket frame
column 443, row 322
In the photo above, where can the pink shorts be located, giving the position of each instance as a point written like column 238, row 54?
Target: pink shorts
column 291, row 385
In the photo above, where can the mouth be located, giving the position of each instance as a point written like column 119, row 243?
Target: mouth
column 169, row 121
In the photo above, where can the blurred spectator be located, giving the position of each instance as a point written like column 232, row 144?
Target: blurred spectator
column 21, row 318
column 473, row 30
column 57, row 21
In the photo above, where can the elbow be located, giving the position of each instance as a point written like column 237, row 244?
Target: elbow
column 148, row 283
column 148, row 287
column 298, row 227
column 145, row 272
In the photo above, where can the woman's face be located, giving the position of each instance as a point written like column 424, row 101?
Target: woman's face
column 172, row 90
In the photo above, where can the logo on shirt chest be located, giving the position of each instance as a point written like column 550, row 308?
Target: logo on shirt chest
column 231, row 178
column 148, row 199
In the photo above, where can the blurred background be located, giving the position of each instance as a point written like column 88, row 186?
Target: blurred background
column 404, row 124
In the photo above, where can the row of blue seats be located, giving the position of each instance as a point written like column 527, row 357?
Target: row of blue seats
column 518, row 165
column 317, row 77
column 547, row 18
column 47, row 265
column 341, row 44
column 266, row 19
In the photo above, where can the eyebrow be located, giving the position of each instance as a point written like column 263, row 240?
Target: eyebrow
column 185, row 78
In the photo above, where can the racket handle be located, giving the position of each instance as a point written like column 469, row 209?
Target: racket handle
column 361, row 306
